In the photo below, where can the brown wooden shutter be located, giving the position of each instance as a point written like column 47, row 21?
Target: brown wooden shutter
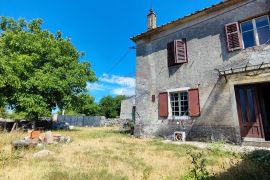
column 234, row 38
column 194, row 103
column 180, row 51
column 177, row 52
column 163, row 104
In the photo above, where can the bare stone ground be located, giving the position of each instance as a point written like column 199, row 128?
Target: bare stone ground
column 223, row 146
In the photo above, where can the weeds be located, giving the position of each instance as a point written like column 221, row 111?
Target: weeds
column 105, row 153
column 198, row 169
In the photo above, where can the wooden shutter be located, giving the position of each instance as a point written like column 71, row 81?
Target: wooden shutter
column 180, row 51
column 234, row 38
column 163, row 104
column 194, row 103
column 170, row 54
column 177, row 52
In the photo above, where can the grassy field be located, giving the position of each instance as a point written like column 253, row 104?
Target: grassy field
column 106, row 153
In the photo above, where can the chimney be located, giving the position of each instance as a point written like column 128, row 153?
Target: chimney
column 151, row 20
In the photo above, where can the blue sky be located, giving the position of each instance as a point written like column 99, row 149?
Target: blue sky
column 101, row 29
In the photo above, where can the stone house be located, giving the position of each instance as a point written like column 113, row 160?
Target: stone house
column 128, row 108
column 206, row 74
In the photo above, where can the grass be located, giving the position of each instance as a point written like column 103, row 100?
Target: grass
column 105, row 153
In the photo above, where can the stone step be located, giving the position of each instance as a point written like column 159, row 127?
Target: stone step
column 256, row 143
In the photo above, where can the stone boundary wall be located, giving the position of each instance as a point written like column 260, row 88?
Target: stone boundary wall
column 92, row 121
column 80, row 121
column 114, row 122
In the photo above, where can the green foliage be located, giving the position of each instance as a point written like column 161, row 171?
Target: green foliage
column 3, row 113
column 198, row 170
column 39, row 71
column 217, row 149
column 260, row 156
column 110, row 107
column 85, row 104
column 17, row 115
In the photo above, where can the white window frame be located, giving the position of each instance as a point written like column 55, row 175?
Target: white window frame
column 255, row 30
column 177, row 90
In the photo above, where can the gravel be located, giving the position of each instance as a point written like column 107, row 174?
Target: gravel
column 225, row 147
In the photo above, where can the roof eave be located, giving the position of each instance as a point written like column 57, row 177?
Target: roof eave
column 186, row 19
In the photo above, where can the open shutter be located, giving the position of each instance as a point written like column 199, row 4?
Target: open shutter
column 180, row 51
column 163, row 104
column 194, row 103
column 177, row 52
column 234, row 40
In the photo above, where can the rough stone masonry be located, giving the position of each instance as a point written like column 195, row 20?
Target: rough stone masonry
column 207, row 51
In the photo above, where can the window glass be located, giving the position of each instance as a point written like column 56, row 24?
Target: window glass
column 258, row 27
column 249, row 39
column 175, row 103
column 247, row 26
column 179, row 103
column 262, row 22
column 243, row 105
column 264, row 35
column 251, row 105
column 184, row 103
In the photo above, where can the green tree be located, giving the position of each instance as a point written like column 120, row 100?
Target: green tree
column 85, row 105
column 3, row 113
column 39, row 71
column 110, row 107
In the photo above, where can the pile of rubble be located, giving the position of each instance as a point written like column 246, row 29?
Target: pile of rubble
column 36, row 138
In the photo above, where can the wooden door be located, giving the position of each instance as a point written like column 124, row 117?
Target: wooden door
column 249, row 112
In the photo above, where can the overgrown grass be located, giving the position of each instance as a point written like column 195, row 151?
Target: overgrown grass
column 106, row 153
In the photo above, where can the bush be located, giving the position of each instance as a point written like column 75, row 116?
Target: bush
column 198, row 170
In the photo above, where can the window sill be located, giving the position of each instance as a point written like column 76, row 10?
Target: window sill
column 256, row 47
column 179, row 118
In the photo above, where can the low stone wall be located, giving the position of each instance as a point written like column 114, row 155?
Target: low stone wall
column 114, row 122
column 81, row 121
column 92, row 121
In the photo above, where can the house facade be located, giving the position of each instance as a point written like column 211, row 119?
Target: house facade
column 206, row 74
column 128, row 108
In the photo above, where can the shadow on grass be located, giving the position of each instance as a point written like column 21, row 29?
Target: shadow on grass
column 254, row 165
column 69, row 130
column 122, row 131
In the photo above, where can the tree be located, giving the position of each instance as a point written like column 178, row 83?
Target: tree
column 86, row 105
column 39, row 71
column 3, row 113
column 110, row 107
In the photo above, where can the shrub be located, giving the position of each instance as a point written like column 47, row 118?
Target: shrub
column 198, row 169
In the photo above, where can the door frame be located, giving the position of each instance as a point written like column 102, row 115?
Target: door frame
column 258, row 113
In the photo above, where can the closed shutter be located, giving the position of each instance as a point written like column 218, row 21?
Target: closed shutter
column 234, row 40
column 180, row 51
column 163, row 104
column 194, row 103
column 177, row 52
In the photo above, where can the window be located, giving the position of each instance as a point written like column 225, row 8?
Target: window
column 177, row 52
column 256, row 31
column 179, row 104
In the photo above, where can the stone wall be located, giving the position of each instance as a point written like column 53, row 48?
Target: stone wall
column 80, row 121
column 114, row 122
column 92, row 121
column 207, row 51
column 126, row 108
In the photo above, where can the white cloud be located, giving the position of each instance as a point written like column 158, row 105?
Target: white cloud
column 123, row 91
column 116, row 85
column 119, row 80
column 95, row 87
